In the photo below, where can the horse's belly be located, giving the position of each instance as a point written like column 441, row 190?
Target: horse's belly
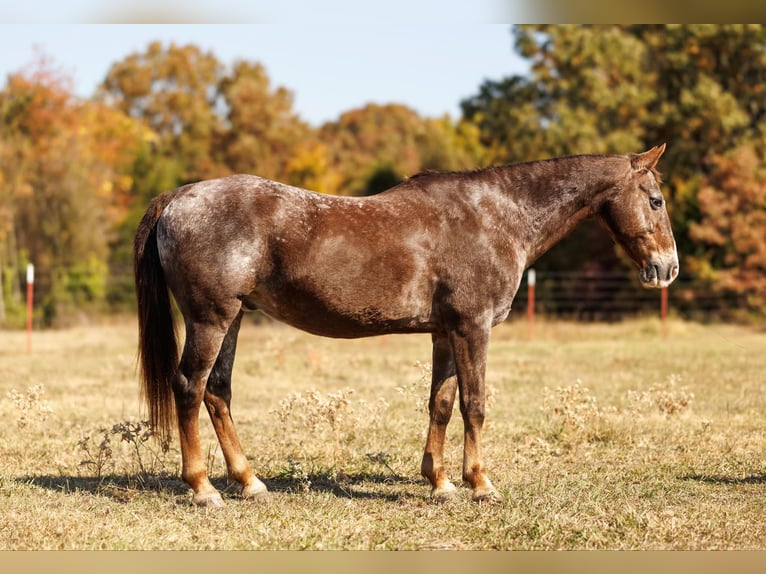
column 339, row 315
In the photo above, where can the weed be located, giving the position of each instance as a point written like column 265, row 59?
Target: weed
column 383, row 458
column 97, row 457
column 142, row 457
column 668, row 398
column 418, row 390
column 314, row 409
column 575, row 412
column 294, row 471
column 332, row 419
column 30, row 408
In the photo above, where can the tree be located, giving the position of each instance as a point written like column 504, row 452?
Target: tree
column 617, row 89
column 262, row 131
column 730, row 235
column 309, row 167
column 65, row 187
column 386, row 143
column 587, row 92
column 174, row 90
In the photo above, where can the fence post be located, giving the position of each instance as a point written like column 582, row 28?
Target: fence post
column 30, row 302
column 664, row 311
column 531, row 281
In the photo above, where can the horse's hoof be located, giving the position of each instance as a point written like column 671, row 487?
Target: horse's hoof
column 209, row 500
column 444, row 493
column 256, row 490
column 488, row 495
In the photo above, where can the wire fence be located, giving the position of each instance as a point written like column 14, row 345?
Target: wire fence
column 572, row 295
column 611, row 296
column 578, row 295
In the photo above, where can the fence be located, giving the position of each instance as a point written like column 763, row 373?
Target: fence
column 611, row 296
column 574, row 295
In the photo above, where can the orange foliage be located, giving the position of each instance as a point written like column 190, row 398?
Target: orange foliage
column 732, row 228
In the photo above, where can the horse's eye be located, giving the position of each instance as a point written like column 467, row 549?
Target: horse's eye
column 656, row 202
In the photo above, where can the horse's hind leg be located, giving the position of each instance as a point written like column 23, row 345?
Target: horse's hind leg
column 443, row 387
column 218, row 402
column 203, row 343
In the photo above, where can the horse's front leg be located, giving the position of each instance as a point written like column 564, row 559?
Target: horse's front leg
column 469, row 348
column 441, row 401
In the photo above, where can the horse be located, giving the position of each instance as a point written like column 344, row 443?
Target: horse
column 441, row 253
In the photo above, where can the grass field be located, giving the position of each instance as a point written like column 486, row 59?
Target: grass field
column 598, row 437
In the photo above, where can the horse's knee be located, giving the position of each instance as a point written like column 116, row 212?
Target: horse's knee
column 473, row 411
column 441, row 411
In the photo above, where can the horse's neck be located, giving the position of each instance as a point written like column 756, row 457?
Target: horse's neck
column 555, row 196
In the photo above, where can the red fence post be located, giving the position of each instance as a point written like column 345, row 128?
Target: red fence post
column 531, row 280
column 30, row 302
column 664, row 311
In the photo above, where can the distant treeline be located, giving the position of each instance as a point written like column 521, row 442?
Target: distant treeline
column 76, row 174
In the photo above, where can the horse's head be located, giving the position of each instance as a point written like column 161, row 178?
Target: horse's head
column 636, row 217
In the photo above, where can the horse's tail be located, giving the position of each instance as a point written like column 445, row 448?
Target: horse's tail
column 157, row 345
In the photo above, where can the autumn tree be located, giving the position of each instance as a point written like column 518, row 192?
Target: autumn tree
column 609, row 89
column 173, row 89
column 730, row 236
column 376, row 146
column 65, row 187
column 261, row 132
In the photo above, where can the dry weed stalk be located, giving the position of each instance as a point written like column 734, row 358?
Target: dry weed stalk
column 574, row 405
column 331, row 419
column 30, row 408
column 669, row 398
column 144, row 458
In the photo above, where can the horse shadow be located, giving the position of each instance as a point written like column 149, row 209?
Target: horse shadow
column 124, row 487
column 723, row 479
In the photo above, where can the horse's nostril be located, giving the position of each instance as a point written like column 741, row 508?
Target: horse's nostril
column 674, row 272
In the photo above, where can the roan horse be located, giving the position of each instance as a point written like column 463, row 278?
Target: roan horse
column 442, row 253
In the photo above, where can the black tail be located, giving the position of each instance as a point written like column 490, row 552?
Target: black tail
column 157, row 345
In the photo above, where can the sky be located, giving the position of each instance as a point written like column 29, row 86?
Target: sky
column 329, row 66
column 267, row 11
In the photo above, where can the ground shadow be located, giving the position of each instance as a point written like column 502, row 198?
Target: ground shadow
column 347, row 485
column 123, row 488
column 721, row 479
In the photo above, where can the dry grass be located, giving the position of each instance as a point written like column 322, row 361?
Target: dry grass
column 598, row 437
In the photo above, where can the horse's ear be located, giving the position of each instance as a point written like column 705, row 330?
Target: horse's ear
column 648, row 159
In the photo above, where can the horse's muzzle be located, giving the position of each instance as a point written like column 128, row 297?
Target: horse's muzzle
column 660, row 271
